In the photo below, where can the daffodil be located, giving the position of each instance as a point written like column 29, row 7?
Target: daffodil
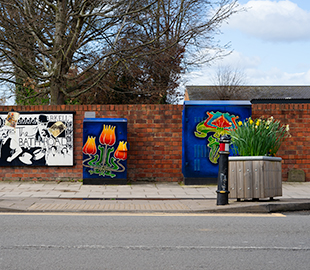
column 269, row 120
column 240, row 123
column 287, row 128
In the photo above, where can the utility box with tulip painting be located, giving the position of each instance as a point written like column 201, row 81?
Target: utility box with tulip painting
column 105, row 151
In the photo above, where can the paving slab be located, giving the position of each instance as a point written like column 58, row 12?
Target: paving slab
column 155, row 197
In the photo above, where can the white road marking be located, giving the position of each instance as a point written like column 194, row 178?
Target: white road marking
column 147, row 214
column 166, row 248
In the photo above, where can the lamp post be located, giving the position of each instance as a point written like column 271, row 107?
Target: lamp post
column 222, row 179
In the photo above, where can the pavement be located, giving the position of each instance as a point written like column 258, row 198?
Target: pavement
column 65, row 197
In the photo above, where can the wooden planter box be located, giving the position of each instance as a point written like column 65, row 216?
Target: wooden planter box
column 254, row 177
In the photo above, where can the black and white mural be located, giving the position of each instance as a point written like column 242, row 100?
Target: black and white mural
column 36, row 139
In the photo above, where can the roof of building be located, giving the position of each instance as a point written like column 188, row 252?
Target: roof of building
column 253, row 93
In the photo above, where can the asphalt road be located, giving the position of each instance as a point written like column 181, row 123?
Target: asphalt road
column 60, row 241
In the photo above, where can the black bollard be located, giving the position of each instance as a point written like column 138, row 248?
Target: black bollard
column 222, row 179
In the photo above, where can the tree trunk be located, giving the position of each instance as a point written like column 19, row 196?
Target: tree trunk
column 57, row 97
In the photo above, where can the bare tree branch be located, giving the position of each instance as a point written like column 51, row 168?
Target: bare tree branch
column 229, row 83
column 71, row 48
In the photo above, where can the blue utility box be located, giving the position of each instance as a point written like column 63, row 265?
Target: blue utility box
column 104, row 151
column 203, row 124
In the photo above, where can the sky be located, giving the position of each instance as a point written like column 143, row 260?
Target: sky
column 270, row 44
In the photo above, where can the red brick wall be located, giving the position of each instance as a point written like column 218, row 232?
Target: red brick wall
column 295, row 151
column 155, row 138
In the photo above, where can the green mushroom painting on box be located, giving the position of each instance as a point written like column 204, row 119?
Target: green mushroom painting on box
column 254, row 170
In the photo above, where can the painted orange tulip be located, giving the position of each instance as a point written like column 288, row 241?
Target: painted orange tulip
column 107, row 135
column 121, row 151
column 90, row 146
